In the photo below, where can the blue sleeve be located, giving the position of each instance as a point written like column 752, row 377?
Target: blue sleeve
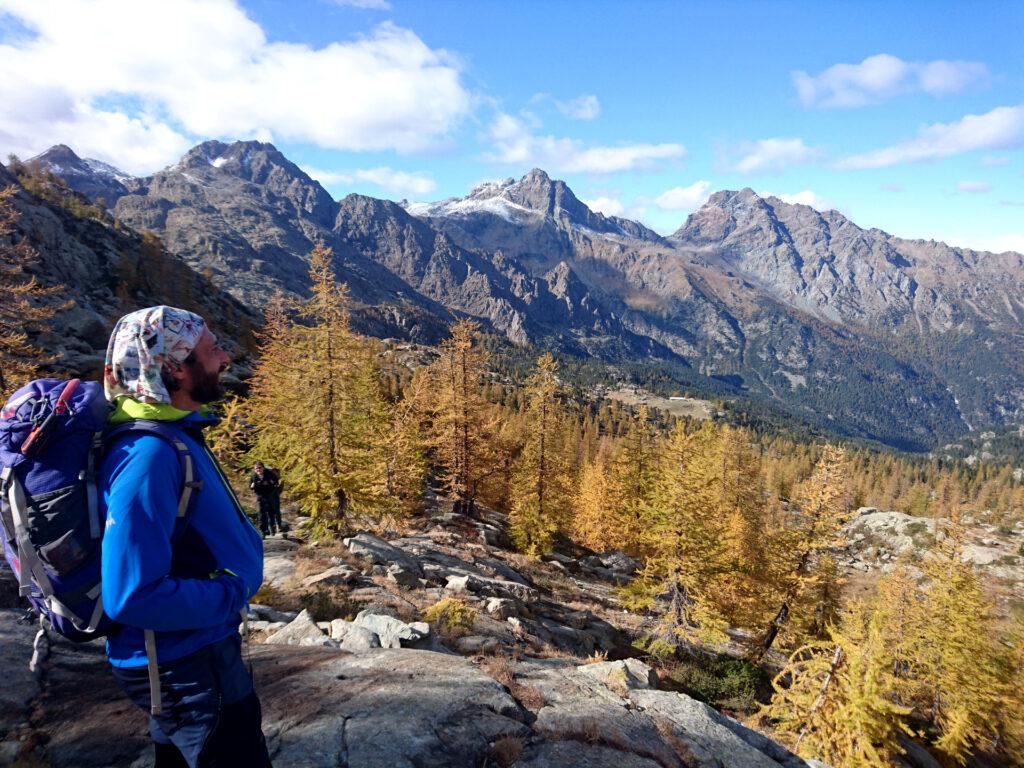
column 141, row 480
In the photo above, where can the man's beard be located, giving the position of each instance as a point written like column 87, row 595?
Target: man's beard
column 206, row 386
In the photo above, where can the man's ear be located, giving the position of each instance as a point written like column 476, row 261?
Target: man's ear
column 172, row 373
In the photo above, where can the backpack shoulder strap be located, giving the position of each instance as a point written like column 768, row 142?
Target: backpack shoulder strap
column 191, row 485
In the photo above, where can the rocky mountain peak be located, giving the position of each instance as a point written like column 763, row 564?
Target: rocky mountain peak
column 92, row 178
column 535, row 195
column 249, row 160
column 59, row 153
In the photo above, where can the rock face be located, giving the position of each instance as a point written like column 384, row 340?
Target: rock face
column 380, row 709
column 107, row 271
column 93, row 178
column 878, row 539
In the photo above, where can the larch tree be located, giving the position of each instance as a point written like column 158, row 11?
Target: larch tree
column 23, row 302
column 954, row 678
column 317, row 406
column 227, row 439
column 744, row 588
column 542, row 483
column 594, row 523
column 808, row 572
column 1011, row 718
column 682, row 536
column 632, row 479
column 463, row 422
column 833, row 699
column 405, row 446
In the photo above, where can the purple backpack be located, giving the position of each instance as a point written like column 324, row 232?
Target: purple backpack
column 52, row 438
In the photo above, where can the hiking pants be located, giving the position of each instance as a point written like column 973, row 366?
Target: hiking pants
column 211, row 716
column 275, row 513
column 266, row 513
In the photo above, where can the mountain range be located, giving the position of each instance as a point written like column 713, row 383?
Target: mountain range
column 907, row 342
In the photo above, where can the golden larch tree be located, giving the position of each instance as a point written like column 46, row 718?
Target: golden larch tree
column 808, row 571
column 594, row 522
column 833, row 699
column 744, row 588
column 541, row 500
column 317, row 406
column 464, row 424
column 954, row 680
column 683, row 535
column 632, row 479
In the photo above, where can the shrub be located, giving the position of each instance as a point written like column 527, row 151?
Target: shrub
column 722, row 681
column 506, row 751
column 452, row 617
column 329, row 604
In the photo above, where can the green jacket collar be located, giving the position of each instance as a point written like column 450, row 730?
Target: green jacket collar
column 126, row 409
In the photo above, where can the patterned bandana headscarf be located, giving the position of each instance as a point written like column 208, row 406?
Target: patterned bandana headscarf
column 139, row 346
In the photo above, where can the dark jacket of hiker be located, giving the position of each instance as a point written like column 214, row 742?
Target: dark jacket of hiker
column 267, row 485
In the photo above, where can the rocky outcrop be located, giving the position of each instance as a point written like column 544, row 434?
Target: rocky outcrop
column 107, row 270
column 385, row 708
column 879, row 540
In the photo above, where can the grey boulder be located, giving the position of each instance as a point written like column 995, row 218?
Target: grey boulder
column 302, row 631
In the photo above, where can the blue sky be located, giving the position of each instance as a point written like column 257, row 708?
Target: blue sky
column 906, row 117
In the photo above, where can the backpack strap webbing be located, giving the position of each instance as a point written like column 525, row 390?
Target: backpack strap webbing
column 190, row 485
column 29, row 564
column 186, row 504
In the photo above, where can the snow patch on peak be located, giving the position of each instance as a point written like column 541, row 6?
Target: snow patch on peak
column 217, row 162
column 465, row 206
column 491, row 188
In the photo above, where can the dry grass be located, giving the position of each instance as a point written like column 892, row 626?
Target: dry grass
column 530, row 696
column 276, row 598
column 597, row 657
column 307, row 565
column 502, row 669
column 506, row 751
column 616, row 683
column 551, row 651
column 668, row 734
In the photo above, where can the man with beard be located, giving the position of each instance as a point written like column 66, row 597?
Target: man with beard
column 177, row 586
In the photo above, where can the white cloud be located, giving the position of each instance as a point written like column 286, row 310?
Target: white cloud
column 414, row 185
column 1010, row 241
column 994, row 161
column 975, row 187
column 807, row 197
column 134, row 82
column 580, row 108
column 585, row 107
column 883, row 76
column 1002, row 128
column 771, row 155
column 684, row 198
column 370, row 5
column 515, row 144
column 609, row 206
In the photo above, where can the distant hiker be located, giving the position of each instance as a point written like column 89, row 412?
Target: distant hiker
column 178, row 593
column 267, row 485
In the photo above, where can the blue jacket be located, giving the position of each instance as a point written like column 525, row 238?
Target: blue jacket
column 145, row 584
